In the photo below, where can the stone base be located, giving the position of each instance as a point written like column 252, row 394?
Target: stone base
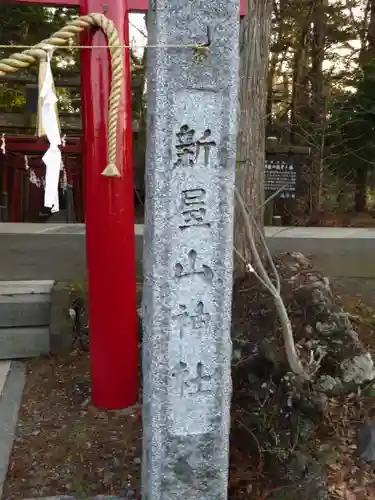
column 61, row 324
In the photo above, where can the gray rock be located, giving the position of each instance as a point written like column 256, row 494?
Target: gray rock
column 358, row 370
column 335, row 323
column 309, row 329
column 346, row 360
column 325, row 328
column 329, row 385
column 300, row 258
column 366, row 443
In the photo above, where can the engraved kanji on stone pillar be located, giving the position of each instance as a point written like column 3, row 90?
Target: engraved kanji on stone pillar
column 191, row 155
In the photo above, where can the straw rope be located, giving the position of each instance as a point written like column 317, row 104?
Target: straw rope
column 64, row 37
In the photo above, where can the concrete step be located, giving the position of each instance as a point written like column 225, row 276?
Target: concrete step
column 25, row 313
column 19, row 343
column 25, row 303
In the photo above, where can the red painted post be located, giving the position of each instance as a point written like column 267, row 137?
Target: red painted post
column 109, row 221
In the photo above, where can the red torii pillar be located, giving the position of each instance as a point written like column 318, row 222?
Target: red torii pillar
column 109, row 220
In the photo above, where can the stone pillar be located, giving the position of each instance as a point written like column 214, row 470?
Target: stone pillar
column 192, row 127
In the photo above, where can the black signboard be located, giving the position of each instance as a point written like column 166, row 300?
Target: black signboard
column 282, row 174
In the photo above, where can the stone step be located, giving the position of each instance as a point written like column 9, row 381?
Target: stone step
column 28, row 342
column 25, row 303
column 26, row 287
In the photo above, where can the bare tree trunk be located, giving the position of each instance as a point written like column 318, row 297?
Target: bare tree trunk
column 300, row 108
column 366, row 59
column 318, row 103
column 360, row 195
column 254, row 47
column 274, row 59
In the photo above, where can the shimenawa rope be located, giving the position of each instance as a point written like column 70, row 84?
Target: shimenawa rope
column 63, row 37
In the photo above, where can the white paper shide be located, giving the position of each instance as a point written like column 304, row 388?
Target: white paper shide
column 52, row 158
